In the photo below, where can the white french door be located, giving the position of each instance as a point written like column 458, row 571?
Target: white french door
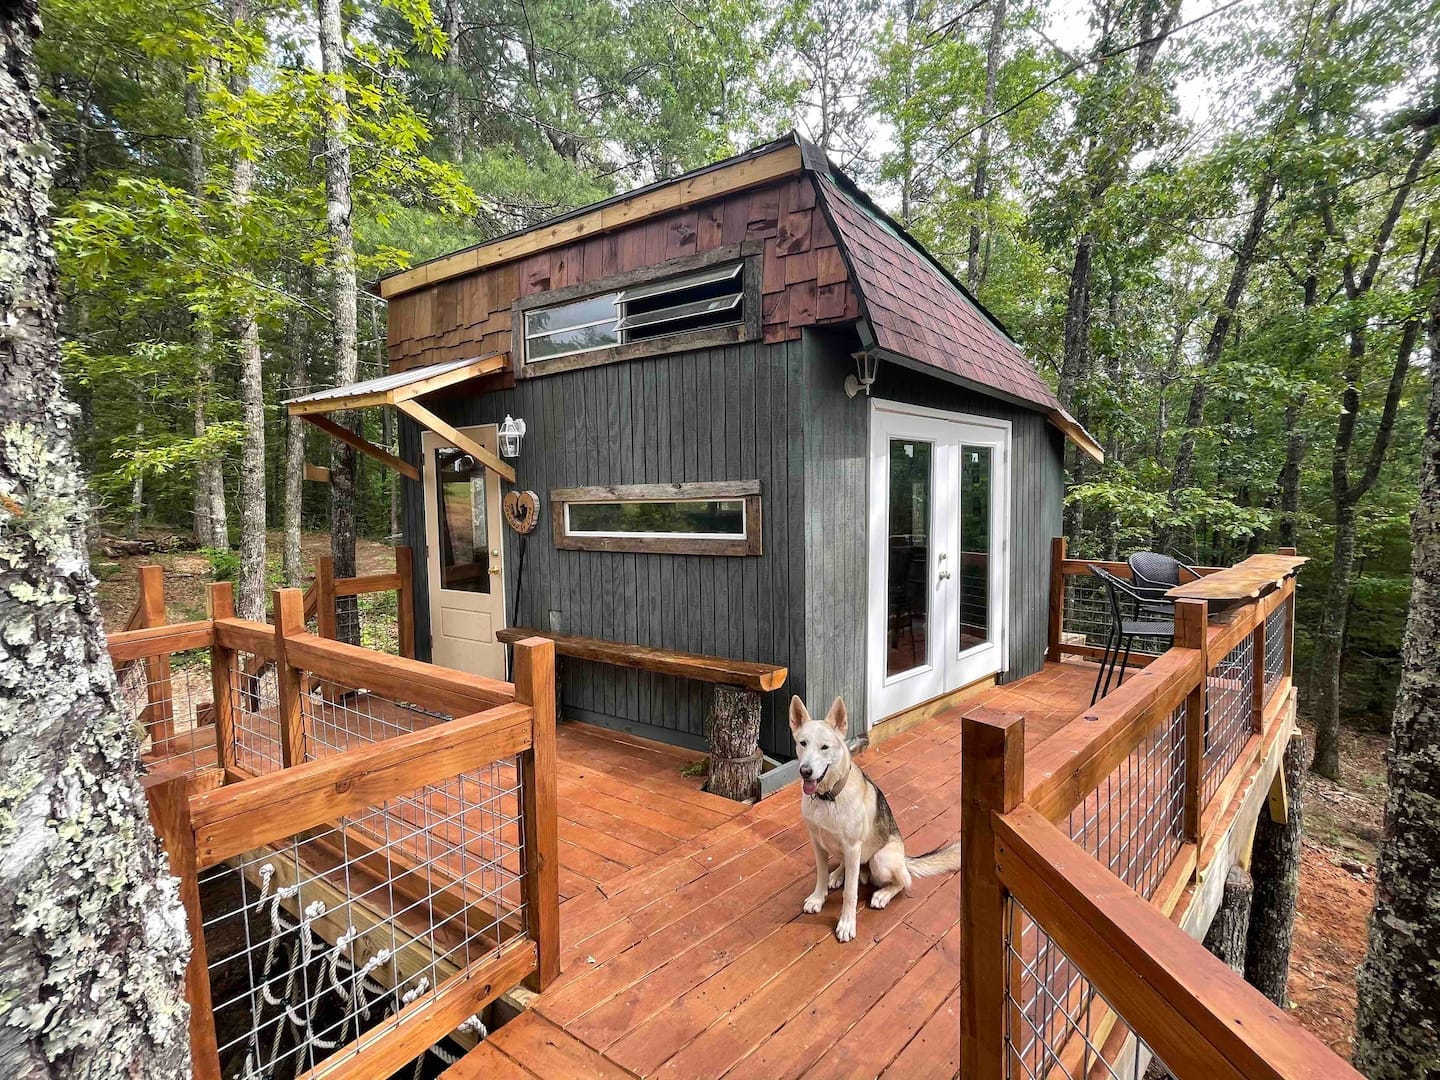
column 939, row 553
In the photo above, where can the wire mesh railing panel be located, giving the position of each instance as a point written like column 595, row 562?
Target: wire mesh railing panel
column 1057, row 1025
column 1229, row 712
column 1276, row 625
column 1134, row 820
column 337, row 718
column 255, row 713
column 1087, row 619
column 371, row 620
column 170, row 699
column 316, row 943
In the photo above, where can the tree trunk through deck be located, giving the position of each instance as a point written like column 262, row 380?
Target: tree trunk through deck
column 94, row 942
column 734, row 735
column 1227, row 933
column 1399, row 1012
column 1275, row 870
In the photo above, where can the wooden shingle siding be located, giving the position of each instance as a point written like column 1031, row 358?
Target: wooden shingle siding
column 804, row 283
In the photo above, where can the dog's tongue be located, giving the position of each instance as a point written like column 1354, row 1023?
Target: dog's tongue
column 808, row 786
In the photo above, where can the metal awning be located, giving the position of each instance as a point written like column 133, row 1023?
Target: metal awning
column 401, row 390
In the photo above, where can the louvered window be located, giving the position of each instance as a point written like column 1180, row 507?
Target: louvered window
column 700, row 300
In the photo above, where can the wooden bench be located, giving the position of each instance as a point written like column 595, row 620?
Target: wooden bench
column 733, row 729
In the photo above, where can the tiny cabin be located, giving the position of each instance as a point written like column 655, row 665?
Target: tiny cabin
column 761, row 423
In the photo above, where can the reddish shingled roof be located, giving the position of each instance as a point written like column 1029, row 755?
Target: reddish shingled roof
column 917, row 311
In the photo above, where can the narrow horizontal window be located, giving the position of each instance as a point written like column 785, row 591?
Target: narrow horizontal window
column 705, row 299
column 696, row 519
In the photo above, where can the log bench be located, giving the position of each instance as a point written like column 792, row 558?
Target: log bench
column 733, row 728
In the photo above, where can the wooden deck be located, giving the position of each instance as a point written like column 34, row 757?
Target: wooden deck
column 685, row 952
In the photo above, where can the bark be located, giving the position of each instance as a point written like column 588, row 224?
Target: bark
column 250, row 589
column 1398, row 1020
column 211, row 527
column 1226, row 936
column 94, row 946
column 981, row 186
column 292, row 562
column 341, row 259
column 454, row 73
column 137, row 486
column 734, row 733
column 1290, row 473
column 1275, row 870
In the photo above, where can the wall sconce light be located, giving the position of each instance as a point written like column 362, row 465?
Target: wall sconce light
column 511, row 432
column 867, row 363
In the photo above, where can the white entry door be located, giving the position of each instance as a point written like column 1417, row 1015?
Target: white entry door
column 939, row 553
column 462, row 544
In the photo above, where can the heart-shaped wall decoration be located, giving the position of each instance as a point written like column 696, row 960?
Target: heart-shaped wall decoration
column 522, row 511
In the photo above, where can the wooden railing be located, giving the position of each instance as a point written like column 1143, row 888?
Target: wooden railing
column 348, row 622
column 1083, row 855
column 353, row 827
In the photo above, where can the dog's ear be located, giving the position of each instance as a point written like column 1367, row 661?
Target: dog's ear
column 798, row 713
column 837, row 716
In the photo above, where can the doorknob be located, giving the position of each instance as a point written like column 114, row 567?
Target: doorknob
column 494, row 569
column 944, row 575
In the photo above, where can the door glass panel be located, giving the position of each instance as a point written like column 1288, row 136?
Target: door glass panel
column 464, row 530
column 907, row 583
column 975, row 479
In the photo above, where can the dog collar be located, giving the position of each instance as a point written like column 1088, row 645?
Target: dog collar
column 829, row 796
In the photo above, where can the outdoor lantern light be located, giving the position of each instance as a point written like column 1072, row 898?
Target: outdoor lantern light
column 511, row 432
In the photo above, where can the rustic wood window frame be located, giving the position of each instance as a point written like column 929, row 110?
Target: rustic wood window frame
column 747, row 491
column 747, row 329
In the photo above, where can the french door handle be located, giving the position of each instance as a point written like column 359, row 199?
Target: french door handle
column 944, row 575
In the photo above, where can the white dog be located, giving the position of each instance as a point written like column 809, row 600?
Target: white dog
column 850, row 822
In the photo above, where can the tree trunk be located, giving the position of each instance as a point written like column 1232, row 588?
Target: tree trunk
column 1399, row 1010
column 1329, row 644
column 95, row 944
column 250, row 589
column 1290, row 473
column 211, row 528
column 342, row 294
column 981, row 185
column 137, row 486
column 1226, row 936
column 1275, row 870
column 292, row 560
column 734, row 733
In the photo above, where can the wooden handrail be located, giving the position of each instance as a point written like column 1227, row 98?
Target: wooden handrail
column 239, row 817
column 157, row 641
column 1199, row 1016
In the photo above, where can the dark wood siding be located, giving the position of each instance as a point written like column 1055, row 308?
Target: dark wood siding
column 718, row 414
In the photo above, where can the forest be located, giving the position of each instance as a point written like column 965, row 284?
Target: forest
column 1209, row 225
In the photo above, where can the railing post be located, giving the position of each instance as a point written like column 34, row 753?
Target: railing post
column 159, row 714
column 325, row 597
column 1192, row 620
column 1257, row 675
column 1287, row 669
column 535, row 686
column 170, row 817
column 992, row 781
column 289, row 621
column 224, row 674
column 405, row 571
column 1057, row 598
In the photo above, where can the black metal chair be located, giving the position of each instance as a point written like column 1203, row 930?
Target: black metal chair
column 1153, row 575
column 1144, row 621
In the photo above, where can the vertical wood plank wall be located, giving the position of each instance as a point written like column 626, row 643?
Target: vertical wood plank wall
column 772, row 412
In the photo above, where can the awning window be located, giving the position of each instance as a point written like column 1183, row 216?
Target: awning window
column 401, row 390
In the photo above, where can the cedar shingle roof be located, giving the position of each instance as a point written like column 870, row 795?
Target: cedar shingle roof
column 917, row 310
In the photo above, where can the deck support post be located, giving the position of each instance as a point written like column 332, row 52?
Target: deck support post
column 159, row 714
column 1192, row 619
column 1057, row 599
column 224, row 675
column 733, row 732
column 289, row 621
column 992, row 781
column 405, row 618
column 534, row 676
column 1275, row 866
column 1229, row 929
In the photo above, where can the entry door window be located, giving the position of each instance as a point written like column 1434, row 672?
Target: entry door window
column 975, row 481
column 907, row 591
column 464, row 528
